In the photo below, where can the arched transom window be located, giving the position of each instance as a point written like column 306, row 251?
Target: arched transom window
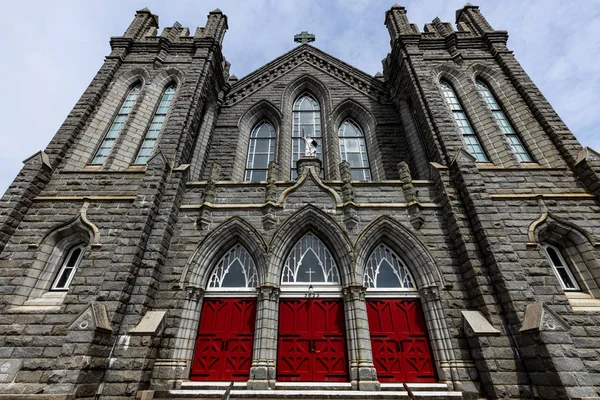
column 236, row 269
column 464, row 126
column 310, row 262
column 307, row 122
column 384, row 269
column 261, row 151
column 354, row 150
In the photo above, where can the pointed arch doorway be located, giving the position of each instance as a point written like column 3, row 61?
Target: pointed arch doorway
column 225, row 338
column 311, row 344
column 399, row 340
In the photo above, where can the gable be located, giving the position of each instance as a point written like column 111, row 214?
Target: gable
column 300, row 55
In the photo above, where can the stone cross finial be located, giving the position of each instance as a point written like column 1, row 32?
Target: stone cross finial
column 304, row 37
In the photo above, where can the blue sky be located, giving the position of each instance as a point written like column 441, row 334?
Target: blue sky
column 51, row 50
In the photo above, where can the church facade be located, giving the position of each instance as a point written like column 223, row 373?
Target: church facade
column 307, row 230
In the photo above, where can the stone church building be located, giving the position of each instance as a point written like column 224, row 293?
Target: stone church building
column 306, row 231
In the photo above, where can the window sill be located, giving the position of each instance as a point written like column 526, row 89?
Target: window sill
column 50, row 301
column 580, row 301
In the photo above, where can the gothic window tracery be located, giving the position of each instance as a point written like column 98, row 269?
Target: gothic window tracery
column 236, row 269
column 504, row 124
column 117, row 126
column 464, row 126
column 261, row 151
column 561, row 268
column 156, row 125
column 353, row 149
column 306, row 122
column 310, row 261
column 384, row 269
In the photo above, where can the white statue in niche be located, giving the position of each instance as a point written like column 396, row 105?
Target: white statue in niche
column 310, row 146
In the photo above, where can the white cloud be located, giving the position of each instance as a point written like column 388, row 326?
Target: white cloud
column 51, row 50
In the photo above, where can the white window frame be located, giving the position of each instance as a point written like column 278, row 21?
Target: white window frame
column 63, row 267
column 565, row 266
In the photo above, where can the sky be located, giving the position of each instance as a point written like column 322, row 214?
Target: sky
column 52, row 49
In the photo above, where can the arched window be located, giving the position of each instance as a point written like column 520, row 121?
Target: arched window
column 354, row 150
column 67, row 270
column 156, row 125
column 236, row 269
column 310, row 262
column 384, row 269
column 505, row 126
column 261, row 151
column 307, row 122
column 117, row 126
column 464, row 126
column 561, row 268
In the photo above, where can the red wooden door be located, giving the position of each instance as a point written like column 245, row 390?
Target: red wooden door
column 225, row 338
column 312, row 341
column 401, row 351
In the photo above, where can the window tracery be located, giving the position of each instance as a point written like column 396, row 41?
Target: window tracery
column 384, row 269
column 310, row 261
column 235, row 269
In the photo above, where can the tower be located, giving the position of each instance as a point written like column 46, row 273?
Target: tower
column 178, row 234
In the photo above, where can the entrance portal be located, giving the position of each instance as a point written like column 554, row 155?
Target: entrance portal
column 225, row 337
column 312, row 345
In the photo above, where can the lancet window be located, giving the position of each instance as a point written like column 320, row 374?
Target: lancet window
column 235, row 269
column 117, row 126
column 464, row 126
column 310, row 262
column 353, row 149
column 307, row 122
column 384, row 269
column 156, row 125
column 69, row 266
column 503, row 123
column 561, row 268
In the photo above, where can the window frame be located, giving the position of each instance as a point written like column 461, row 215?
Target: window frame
column 248, row 172
column 480, row 157
column 125, row 119
column 482, row 87
column 296, row 113
column 364, row 154
column 64, row 266
column 566, row 266
column 160, row 115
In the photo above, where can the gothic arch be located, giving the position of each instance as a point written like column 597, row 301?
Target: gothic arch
column 398, row 238
column 131, row 77
column 213, row 247
column 576, row 243
column 320, row 92
column 165, row 77
column 263, row 110
column 428, row 279
column 352, row 109
column 311, row 219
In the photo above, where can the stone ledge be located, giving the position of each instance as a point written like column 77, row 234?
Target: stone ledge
column 37, row 396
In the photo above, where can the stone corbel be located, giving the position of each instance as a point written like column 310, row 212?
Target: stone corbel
column 268, row 219
column 347, row 188
column 194, row 293
column 538, row 317
column 350, row 216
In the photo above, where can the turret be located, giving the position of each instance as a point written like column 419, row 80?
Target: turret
column 143, row 22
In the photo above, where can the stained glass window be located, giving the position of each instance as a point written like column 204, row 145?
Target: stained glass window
column 385, row 269
column 561, row 269
column 235, row 269
column 156, row 125
column 505, row 126
column 307, row 122
column 310, row 262
column 67, row 270
column 464, row 126
column 354, row 150
column 261, row 151
column 116, row 127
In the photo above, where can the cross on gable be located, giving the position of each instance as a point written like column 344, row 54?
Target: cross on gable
column 304, row 37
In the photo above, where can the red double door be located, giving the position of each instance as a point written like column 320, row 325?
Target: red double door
column 225, row 339
column 312, row 344
column 401, row 351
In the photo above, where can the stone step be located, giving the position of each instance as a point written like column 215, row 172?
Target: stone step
column 319, row 394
